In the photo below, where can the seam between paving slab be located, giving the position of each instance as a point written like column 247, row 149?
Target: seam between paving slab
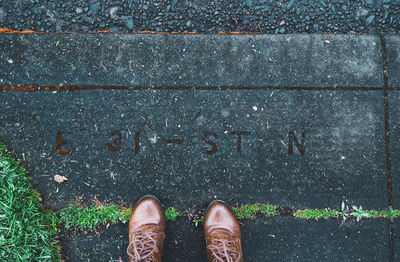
column 387, row 142
column 52, row 88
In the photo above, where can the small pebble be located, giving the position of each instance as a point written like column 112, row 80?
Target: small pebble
column 369, row 19
column 249, row 3
column 290, row 4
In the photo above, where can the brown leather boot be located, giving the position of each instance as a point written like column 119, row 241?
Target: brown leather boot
column 222, row 233
column 146, row 231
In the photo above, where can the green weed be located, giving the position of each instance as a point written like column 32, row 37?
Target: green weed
column 172, row 213
column 359, row 213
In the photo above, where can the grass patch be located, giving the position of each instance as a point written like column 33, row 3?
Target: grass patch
column 26, row 231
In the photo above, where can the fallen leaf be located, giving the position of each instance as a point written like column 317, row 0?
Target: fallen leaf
column 60, row 179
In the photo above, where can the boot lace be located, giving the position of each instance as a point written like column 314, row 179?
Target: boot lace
column 223, row 251
column 144, row 246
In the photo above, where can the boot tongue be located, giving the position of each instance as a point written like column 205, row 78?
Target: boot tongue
column 224, row 250
column 143, row 246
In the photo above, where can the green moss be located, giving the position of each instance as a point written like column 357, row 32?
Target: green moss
column 246, row 211
column 316, row 213
column 390, row 213
column 126, row 213
column 372, row 213
column 268, row 210
column 81, row 218
column 250, row 211
column 88, row 218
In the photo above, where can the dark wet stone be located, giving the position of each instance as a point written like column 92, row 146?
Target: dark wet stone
column 369, row 2
column 249, row 3
column 369, row 20
column 3, row 15
column 362, row 12
column 131, row 4
column 275, row 239
column 128, row 20
column 290, row 4
column 94, row 7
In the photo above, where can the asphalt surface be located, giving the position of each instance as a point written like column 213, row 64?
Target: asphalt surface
column 263, row 16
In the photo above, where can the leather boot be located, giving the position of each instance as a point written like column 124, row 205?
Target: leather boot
column 222, row 234
column 146, row 231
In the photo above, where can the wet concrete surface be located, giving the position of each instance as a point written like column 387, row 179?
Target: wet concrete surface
column 293, row 148
column 263, row 239
column 305, row 129
column 192, row 61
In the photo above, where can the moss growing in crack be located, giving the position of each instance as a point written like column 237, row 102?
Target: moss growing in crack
column 372, row 213
column 75, row 217
column 390, row 213
column 246, row 211
column 316, row 213
column 250, row 211
column 172, row 214
column 127, row 213
column 268, row 210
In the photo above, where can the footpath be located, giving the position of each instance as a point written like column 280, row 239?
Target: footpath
column 298, row 121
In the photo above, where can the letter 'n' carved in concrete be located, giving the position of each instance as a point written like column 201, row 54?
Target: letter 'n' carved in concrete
column 300, row 146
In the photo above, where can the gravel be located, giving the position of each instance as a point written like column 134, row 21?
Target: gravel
column 204, row 16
